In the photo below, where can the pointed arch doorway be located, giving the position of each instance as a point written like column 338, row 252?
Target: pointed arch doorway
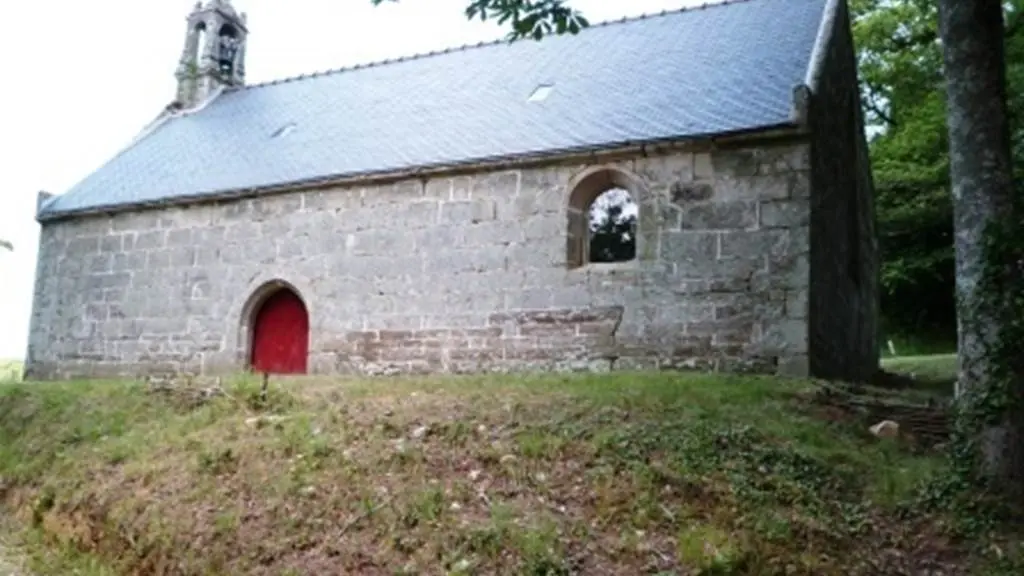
column 280, row 334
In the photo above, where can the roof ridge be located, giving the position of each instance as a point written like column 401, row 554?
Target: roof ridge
column 466, row 47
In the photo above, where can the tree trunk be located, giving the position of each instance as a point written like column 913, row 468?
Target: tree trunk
column 988, row 279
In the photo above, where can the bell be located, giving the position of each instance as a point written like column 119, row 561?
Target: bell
column 228, row 49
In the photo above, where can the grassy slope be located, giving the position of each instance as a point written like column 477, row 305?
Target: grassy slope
column 622, row 474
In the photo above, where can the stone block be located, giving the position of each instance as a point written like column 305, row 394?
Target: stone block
column 737, row 162
column 687, row 245
column 243, row 232
column 267, row 207
column 495, row 185
column 785, row 213
column 313, row 200
column 439, row 188
column 703, row 167
column 540, row 297
column 521, row 207
column 498, row 233
column 158, row 259
column 796, row 303
column 415, row 213
column 785, row 158
column 800, row 184
column 180, row 237
column 111, row 243
column 150, row 240
column 462, row 187
column 462, row 212
column 784, row 337
column 794, row 366
column 383, row 241
column 543, row 227
column 719, row 216
column 793, row 270
column 664, row 170
column 437, row 239
column 761, row 187
column 100, row 263
column 402, row 191
column 685, row 193
column 555, row 177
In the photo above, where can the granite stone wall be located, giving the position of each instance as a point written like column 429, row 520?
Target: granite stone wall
column 449, row 274
column 844, row 281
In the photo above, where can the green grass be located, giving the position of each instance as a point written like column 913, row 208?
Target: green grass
column 625, row 473
column 933, row 367
column 931, row 375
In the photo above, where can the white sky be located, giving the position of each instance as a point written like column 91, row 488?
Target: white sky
column 83, row 77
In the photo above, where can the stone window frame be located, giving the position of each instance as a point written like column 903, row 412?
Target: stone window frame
column 244, row 312
column 583, row 191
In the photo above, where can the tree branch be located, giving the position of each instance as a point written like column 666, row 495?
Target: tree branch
column 872, row 106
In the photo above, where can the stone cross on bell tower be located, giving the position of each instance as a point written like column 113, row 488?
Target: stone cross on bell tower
column 214, row 53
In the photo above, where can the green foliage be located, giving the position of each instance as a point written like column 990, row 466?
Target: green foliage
column 527, row 18
column 900, row 67
column 613, row 235
column 530, row 18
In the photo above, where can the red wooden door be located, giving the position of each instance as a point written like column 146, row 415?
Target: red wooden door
column 280, row 335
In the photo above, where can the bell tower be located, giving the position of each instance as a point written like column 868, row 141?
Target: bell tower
column 214, row 52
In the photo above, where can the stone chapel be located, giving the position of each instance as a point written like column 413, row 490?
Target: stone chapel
column 435, row 213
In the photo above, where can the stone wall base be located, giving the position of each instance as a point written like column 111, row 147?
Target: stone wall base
column 560, row 340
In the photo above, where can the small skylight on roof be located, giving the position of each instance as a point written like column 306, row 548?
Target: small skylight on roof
column 541, row 93
column 283, row 130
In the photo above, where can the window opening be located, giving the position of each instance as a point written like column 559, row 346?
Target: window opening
column 612, row 227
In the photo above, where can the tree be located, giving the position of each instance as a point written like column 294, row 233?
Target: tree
column 904, row 100
column 989, row 248
column 613, row 230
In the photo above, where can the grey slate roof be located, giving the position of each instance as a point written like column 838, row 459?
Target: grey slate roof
column 699, row 71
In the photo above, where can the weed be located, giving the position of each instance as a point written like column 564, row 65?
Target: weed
column 217, row 461
column 541, row 551
column 710, row 549
column 427, row 508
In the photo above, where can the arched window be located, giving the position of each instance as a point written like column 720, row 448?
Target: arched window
column 602, row 219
